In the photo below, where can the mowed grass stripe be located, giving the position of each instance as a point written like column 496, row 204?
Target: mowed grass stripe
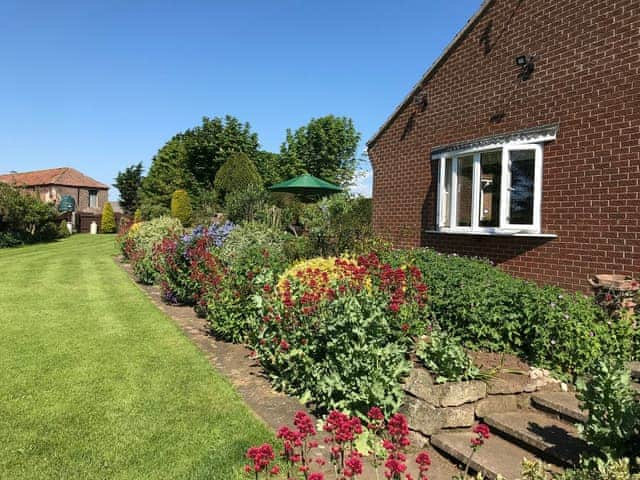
column 96, row 382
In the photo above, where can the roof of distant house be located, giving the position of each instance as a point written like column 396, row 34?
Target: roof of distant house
column 66, row 176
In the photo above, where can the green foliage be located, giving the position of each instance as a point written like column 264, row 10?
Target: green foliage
column 25, row 218
column 325, row 147
column 191, row 159
column 338, row 223
column 237, row 173
column 63, row 231
column 181, row 207
column 108, row 219
column 444, row 356
column 128, row 183
column 589, row 469
column 613, row 428
column 489, row 309
column 139, row 243
column 334, row 334
column 137, row 216
column 254, row 256
column 247, row 204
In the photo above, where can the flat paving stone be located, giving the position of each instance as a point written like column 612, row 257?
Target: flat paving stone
column 565, row 404
column 496, row 457
column 552, row 438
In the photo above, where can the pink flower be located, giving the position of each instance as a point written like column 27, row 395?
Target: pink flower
column 316, row 476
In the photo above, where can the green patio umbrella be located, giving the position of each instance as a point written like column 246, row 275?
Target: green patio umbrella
column 306, row 185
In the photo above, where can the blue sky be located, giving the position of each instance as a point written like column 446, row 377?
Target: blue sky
column 102, row 85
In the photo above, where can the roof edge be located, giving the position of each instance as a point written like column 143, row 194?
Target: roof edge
column 431, row 70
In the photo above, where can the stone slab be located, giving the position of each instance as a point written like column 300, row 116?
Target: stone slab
column 496, row 457
column 497, row 404
column 565, row 404
column 457, row 417
column 550, row 437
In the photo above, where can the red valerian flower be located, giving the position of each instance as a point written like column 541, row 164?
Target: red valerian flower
column 316, row 476
column 483, row 430
column 262, row 456
column 304, row 424
column 375, row 414
column 353, row 465
column 284, row 345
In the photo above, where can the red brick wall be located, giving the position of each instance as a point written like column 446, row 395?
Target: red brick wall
column 587, row 79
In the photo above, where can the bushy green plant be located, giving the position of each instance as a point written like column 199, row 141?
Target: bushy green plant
column 24, row 218
column 108, row 219
column 444, row 356
column 613, row 427
column 337, row 223
column 137, row 216
column 237, row 173
column 247, row 204
column 489, row 309
column 63, row 231
column 181, row 207
column 342, row 340
column 140, row 240
column 589, row 469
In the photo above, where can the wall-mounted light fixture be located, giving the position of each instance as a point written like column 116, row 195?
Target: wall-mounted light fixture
column 420, row 100
column 527, row 66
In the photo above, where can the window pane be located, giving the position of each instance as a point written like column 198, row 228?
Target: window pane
column 465, row 191
column 490, row 174
column 522, row 184
column 446, row 193
column 93, row 199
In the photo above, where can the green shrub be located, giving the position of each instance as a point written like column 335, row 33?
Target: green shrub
column 137, row 216
column 613, row 427
column 339, row 335
column 589, row 469
column 141, row 239
column 63, row 231
column 108, row 219
column 237, row 173
column 489, row 309
column 246, row 205
column 254, row 255
column 181, row 207
column 444, row 356
column 337, row 224
column 25, row 218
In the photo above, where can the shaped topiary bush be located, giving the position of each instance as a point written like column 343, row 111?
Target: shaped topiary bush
column 181, row 207
column 108, row 221
column 237, row 173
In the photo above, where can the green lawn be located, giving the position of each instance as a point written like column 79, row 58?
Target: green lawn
column 96, row 382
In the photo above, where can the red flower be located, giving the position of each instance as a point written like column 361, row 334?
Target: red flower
column 316, row 476
column 262, row 456
column 375, row 414
column 482, row 429
column 284, row 345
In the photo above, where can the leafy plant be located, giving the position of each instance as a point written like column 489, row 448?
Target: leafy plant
column 139, row 241
column 489, row 309
column 589, row 469
column 108, row 219
column 237, row 173
column 63, row 231
column 181, row 207
column 335, row 224
column 247, row 204
column 613, row 427
column 341, row 340
column 444, row 356
column 128, row 183
column 25, row 218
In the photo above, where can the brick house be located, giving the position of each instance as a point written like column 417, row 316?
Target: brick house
column 522, row 143
column 54, row 183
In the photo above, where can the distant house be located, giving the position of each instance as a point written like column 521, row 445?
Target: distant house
column 521, row 143
column 54, row 183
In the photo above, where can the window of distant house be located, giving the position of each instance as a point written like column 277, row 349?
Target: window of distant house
column 492, row 190
column 93, row 199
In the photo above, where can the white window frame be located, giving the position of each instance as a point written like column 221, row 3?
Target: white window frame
column 505, row 227
column 93, row 194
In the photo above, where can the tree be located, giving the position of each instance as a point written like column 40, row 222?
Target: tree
column 237, row 173
column 191, row 159
column 181, row 207
column 325, row 147
column 128, row 183
column 108, row 221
